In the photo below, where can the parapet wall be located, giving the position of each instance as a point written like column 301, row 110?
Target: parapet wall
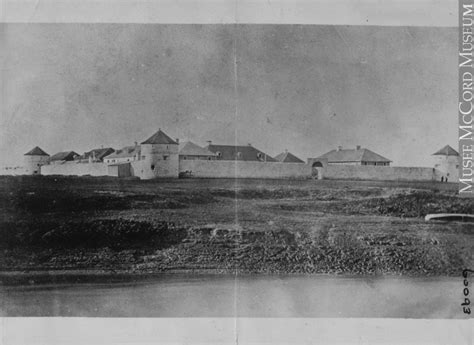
column 75, row 168
column 238, row 169
column 363, row 172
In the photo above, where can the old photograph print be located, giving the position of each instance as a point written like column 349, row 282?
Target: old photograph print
column 231, row 170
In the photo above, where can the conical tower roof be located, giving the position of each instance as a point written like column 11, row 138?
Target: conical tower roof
column 160, row 138
column 36, row 151
column 446, row 151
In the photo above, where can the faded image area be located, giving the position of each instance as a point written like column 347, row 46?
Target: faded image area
column 231, row 170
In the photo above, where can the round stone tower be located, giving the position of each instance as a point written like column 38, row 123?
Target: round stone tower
column 33, row 160
column 446, row 164
column 159, row 157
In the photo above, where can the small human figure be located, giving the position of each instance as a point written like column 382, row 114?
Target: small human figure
column 442, row 178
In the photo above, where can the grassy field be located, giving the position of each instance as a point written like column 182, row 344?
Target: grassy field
column 225, row 225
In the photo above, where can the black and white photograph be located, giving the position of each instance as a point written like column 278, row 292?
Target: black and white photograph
column 236, row 170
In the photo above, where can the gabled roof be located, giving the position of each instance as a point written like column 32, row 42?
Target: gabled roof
column 446, row 151
column 241, row 153
column 36, row 151
column 191, row 149
column 353, row 155
column 127, row 151
column 64, row 156
column 288, row 157
column 160, row 138
column 98, row 154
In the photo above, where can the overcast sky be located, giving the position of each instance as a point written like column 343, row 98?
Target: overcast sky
column 304, row 88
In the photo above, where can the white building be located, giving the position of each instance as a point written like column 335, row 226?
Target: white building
column 125, row 155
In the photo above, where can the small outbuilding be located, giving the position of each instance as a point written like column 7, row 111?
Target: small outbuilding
column 119, row 170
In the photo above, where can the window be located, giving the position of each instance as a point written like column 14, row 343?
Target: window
column 165, row 158
column 152, row 167
column 239, row 155
column 218, row 154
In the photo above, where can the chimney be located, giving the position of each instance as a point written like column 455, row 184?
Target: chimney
column 358, row 147
column 339, row 148
column 209, row 142
column 136, row 143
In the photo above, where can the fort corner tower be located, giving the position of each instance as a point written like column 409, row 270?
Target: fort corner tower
column 34, row 160
column 446, row 163
column 159, row 157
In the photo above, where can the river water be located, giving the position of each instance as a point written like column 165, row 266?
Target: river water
column 245, row 296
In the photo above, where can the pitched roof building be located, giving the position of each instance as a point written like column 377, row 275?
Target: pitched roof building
column 357, row 156
column 288, row 157
column 239, row 153
column 64, row 156
column 125, row 154
column 189, row 150
column 96, row 155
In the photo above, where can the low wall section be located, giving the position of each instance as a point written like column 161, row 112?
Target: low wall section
column 75, row 168
column 362, row 172
column 238, row 169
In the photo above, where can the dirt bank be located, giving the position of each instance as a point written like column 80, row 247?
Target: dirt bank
column 309, row 227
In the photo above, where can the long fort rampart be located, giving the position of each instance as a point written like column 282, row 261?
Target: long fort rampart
column 240, row 169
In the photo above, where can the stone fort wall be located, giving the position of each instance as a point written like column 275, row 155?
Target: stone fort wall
column 75, row 168
column 367, row 172
column 275, row 170
column 239, row 169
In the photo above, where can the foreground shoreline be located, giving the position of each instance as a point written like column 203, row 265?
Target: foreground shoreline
column 42, row 278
